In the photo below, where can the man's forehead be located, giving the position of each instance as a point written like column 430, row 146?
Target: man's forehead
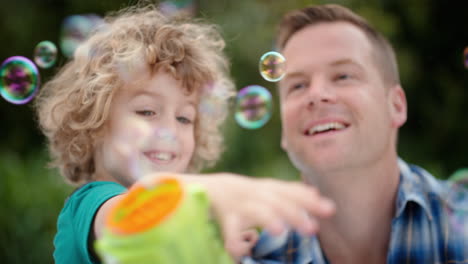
column 332, row 37
column 331, row 44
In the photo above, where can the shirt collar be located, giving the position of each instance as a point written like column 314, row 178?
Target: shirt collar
column 415, row 185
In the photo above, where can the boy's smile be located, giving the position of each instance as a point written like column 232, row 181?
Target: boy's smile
column 152, row 119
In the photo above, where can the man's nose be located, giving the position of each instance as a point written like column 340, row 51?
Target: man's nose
column 320, row 91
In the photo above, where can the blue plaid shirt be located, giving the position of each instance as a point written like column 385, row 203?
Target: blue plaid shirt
column 430, row 226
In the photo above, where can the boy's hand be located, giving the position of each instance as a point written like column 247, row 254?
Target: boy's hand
column 240, row 203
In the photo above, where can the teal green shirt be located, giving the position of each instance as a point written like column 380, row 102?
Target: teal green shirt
column 75, row 222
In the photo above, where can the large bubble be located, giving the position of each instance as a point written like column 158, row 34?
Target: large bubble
column 45, row 54
column 457, row 201
column 137, row 148
column 75, row 30
column 19, row 81
column 253, row 107
column 272, row 66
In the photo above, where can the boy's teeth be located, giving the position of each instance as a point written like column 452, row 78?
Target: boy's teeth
column 164, row 156
column 325, row 127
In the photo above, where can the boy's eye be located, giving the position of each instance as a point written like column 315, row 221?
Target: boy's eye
column 184, row 120
column 145, row 113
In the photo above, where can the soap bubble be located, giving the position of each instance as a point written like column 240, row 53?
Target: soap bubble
column 45, row 54
column 253, row 107
column 272, row 66
column 19, row 80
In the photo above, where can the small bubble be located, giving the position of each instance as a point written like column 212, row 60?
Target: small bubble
column 45, row 54
column 19, row 81
column 253, row 107
column 177, row 7
column 465, row 56
column 214, row 98
column 272, row 66
column 75, row 30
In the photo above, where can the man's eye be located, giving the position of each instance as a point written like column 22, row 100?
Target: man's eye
column 343, row 76
column 184, row 120
column 297, row 86
column 145, row 113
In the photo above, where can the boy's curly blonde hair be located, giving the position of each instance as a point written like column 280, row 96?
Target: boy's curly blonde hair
column 73, row 107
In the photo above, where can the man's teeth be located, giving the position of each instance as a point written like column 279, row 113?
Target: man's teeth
column 325, row 127
column 163, row 156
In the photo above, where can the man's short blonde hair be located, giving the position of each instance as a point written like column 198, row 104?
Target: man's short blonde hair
column 383, row 53
column 73, row 107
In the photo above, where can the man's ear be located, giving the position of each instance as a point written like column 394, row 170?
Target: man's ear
column 398, row 106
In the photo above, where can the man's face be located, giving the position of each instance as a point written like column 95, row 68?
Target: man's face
column 336, row 111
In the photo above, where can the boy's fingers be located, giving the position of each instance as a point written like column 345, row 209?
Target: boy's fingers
column 245, row 245
column 233, row 240
column 298, row 218
column 310, row 199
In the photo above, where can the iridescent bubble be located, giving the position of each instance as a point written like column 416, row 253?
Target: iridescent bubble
column 253, row 107
column 214, row 98
column 177, row 7
column 457, row 201
column 465, row 56
column 128, row 136
column 75, row 30
column 19, row 81
column 137, row 148
column 45, row 54
column 272, row 66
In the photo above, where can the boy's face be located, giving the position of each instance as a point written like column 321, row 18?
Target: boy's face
column 151, row 128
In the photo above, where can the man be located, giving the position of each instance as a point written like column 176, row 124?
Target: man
column 341, row 108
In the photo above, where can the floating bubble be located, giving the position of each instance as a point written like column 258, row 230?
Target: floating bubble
column 127, row 138
column 162, row 138
column 19, row 81
column 465, row 56
column 457, row 201
column 253, row 107
column 272, row 66
column 75, row 30
column 214, row 98
column 177, row 7
column 45, row 54
column 136, row 148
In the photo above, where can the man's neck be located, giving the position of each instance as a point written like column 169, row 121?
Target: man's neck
column 365, row 199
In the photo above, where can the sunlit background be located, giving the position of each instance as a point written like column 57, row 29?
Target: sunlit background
column 429, row 36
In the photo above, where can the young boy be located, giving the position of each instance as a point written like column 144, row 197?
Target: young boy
column 140, row 66
column 143, row 66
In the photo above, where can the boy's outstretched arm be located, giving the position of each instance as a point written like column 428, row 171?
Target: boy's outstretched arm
column 241, row 204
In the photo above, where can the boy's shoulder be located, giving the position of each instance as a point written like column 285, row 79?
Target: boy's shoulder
column 95, row 188
column 76, row 218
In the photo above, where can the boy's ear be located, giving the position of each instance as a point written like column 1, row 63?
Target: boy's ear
column 398, row 106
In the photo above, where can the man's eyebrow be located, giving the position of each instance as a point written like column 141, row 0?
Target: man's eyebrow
column 293, row 75
column 345, row 62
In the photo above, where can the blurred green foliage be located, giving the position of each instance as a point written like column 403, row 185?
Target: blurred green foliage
column 428, row 35
column 31, row 197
